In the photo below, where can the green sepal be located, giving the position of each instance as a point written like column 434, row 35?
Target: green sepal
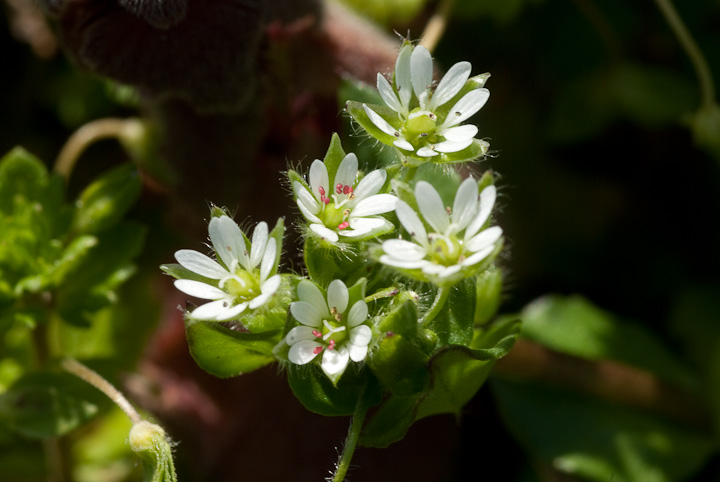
column 488, row 288
column 104, row 202
column 326, row 261
column 277, row 233
column 318, row 394
column 46, row 404
column 151, row 444
column 179, row 272
column 390, row 422
column 225, row 353
column 356, row 111
column 333, row 157
column 454, row 324
column 476, row 150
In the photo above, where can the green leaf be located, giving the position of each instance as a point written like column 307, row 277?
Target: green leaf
column 318, row 394
column 599, row 441
column 574, row 326
column 225, row 353
column 42, row 405
column 390, row 422
column 454, row 324
column 326, row 262
column 104, row 202
column 488, row 288
column 21, row 175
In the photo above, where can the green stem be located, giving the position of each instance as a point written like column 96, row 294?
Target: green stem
column 352, row 439
column 97, row 381
column 437, row 306
column 707, row 86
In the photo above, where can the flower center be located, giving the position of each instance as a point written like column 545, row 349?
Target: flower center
column 334, row 214
column 245, row 286
column 332, row 333
column 445, row 250
column 420, row 123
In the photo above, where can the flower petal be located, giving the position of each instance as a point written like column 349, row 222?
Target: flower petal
column 228, row 241
column 258, row 244
column 449, row 271
column 347, row 171
column 325, row 233
column 466, row 107
column 487, row 201
column 200, row 264
column 388, row 95
column 421, row 71
column 307, row 291
column 307, row 213
column 216, row 309
column 380, row 123
column 311, row 204
column 411, row 222
column 426, row 152
column 198, row 289
column 460, row 133
column 358, row 314
column 433, row 268
column 232, row 312
column 475, row 258
column 319, row 178
column 451, row 83
column 303, row 352
column 403, row 250
column 485, row 238
column 403, row 82
column 362, row 226
column 465, row 205
column 306, row 313
column 334, row 362
column 361, row 335
column 402, row 143
column 402, row 263
column 300, row 333
column 268, row 260
column 357, row 352
column 370, row 184
column 431, row 206
column 449, row 146
column 337, row 296
column 377, row 204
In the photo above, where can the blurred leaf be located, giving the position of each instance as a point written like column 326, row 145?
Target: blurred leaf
column 575, row 326
column 599, row 441
column 501, row 11
column 225, row 353
column 388, row 12
column 705, row 128
column 41, row 405
column 104, row 202
column 21, row 175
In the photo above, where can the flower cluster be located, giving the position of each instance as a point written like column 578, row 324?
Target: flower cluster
column 242, row 278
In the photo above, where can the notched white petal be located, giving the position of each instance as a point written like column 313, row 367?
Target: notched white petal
column 411, row 222
column 431, row 206
column 403, row 144
column 227, row 240
column 258, row 244
column 377, row 204
column 421, row 70
column 268, row 260
column 403, row 250
column 449, row 147
column 388, row 95
column 306, row 313
column 347, row 171
column 485, row 238
column 380, row 123
column 426, row 152
column 466, row 107
column 487, row 201
column 360, row 335
column 334, row 362
column 303, row 352
column 460, row 133
column 199, row 289
column 357, row 353
column 319, row 178
column 307, row 291
column 200, row 264
column 451, row 83
column 299, row 333
column 337, row 296
column 324, row 233
column 370, row 184
column 358, row 314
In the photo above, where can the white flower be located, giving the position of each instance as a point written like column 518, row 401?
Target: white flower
column 422, row 127
column 457, row 244
column 328, row 328
column 344, row 207
column 240, row 284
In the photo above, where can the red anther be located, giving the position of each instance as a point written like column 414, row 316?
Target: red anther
column 316, row 333
column 321, row 190
column 331, row 345
column 317, row 350
column 389, row 334
column 339, row 188
column 347, row 189
column 325, row 200
column 343, row 225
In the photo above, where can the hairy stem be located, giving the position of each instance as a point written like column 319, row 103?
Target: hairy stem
column 351, row 441
column 436, row 26
column 111, row 128
column 702, row 70
column 94, row 379
column 437, row 306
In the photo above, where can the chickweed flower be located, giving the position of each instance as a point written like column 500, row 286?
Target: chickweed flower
column 243, row 276
column 328, row 327
column 345, row 207
column 424, row 122
column 458, row 240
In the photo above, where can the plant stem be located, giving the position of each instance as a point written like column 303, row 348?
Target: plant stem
column 82, row 138
column 435, row 27
column 437, row 306
column 94, row 379
column 351, row 441
column 707, row 86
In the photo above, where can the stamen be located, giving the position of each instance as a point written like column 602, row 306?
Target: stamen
column 423, row 134
column 458, row 113
column 343, row 225
column 321, row 190
column 397, row 134
column 347, row 189
column 339, row 188
column 432, row 116
column 448, row 209
column 317, row 350
column 325, row 200
column 331, row 345
column 333, row 311
column 316, row 333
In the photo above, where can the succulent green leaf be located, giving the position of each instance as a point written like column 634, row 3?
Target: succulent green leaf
column 226, row 353
column 390, row 422
column 104, row 202
column 318, row 394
